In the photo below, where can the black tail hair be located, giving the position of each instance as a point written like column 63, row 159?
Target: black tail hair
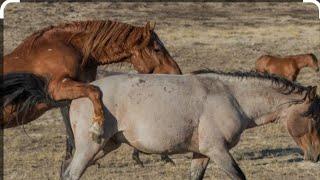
column 23, row 90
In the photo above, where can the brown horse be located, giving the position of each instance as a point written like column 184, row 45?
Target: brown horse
column 288, row 67
column 55, row 63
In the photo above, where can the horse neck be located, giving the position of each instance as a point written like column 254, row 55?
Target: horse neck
column 80, row 42
column 100, row 50
column 261, row 102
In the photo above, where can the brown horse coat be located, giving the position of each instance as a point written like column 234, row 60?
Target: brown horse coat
column 288, row 67
column 66, row 56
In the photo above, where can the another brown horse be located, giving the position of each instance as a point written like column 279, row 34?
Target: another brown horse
column 55, row 63
column 288, row 67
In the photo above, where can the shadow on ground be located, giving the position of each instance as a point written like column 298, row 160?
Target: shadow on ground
column 270, row 153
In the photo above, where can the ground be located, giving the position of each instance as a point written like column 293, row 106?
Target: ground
column 225, row 36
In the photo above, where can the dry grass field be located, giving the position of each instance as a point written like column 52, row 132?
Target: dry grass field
column 226, row 36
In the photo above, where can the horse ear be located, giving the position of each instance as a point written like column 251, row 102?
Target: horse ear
column 147, row 27
column 152, row 25
column 146, row 35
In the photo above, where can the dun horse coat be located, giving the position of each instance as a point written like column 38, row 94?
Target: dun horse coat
column 55, row 63
column 204, row 113
column 288, row 67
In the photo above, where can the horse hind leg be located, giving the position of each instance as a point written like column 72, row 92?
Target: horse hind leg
column 199, row 165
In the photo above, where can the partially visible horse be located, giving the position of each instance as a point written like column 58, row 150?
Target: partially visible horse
column 204, row 113
column 55, row 63
column 288, row 67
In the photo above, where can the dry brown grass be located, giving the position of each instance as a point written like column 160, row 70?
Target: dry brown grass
column 215, row 35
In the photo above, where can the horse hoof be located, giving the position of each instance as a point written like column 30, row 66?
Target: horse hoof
column 96, row 132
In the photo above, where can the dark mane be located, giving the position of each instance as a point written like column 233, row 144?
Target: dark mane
column 285, row 84
column 314, row 58
column 314, row 110
column 100, row 35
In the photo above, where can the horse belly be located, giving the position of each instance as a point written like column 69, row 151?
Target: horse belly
column 159, row 124
column 159, row 137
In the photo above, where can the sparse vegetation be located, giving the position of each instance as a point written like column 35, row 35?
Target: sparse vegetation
column 223, row 36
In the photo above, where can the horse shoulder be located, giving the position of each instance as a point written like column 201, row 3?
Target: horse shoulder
column 228, row 127
column 56, row 59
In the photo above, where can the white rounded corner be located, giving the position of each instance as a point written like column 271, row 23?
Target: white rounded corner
column 315, row 2
column 4, row 4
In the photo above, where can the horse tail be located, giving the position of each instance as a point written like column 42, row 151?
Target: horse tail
column 23, row 91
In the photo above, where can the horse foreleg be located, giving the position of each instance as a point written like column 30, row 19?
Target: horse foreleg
column 80, row 161
column 199, row 165
column 226, row 162
column 67, row 89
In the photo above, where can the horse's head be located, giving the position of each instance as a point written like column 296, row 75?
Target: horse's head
column 303, row 125
column 150, row 55
column 314, row 62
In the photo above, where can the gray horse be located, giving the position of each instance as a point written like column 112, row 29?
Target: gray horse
column 203, row 113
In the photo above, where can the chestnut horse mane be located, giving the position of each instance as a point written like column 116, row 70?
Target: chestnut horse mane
column 101, row 35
